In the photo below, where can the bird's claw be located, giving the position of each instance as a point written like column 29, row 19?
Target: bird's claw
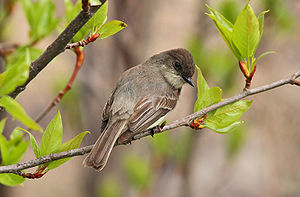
column 157, row 129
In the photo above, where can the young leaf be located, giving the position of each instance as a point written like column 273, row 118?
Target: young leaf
column 210, row 97
column 260, row 18
column 17, row 111
column 225, row 28
column 202, row 85
column 72, row 144
column 16, row 147
column 70, row 13
column 4, row 150
column 206, row 96
column 71, row 10
column 41, row 18
column 227, row 116
column 9, row 179
column 15, row 75
column 52, row 138
column 264, row 54
column 34, row 144
column 245, row 33
column 98, row 19
column 13, row 149
column 111, row 28
column 227, row 129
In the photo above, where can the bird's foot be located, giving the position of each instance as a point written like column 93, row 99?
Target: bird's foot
column 157, row 129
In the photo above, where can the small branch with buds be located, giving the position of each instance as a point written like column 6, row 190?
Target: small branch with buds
column 186, row 121
column 82, row 43
column 79, row 60
column 59, row 45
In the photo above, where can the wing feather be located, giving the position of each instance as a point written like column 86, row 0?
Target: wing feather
column 149, row 110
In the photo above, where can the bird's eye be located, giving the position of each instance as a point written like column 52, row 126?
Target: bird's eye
column 177, row 65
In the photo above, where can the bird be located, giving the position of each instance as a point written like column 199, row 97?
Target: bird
column 142, row 97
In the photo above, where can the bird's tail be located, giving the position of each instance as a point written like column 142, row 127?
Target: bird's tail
column 98, row 157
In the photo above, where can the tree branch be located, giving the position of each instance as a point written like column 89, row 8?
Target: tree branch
column 58, row 46
column 15, row 168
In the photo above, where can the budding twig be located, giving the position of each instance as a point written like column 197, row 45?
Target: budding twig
column 15, row 168
column 79, row 60
column 82, row 43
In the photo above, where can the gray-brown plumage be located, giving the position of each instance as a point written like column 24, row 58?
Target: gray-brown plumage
column 143, row 95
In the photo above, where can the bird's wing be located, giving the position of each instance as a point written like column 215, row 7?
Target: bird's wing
column 106, row 112
column 149, row 110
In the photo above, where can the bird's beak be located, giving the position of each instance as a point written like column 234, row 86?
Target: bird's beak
column 188, row 80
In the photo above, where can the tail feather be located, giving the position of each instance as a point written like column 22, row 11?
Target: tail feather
column 99, row 155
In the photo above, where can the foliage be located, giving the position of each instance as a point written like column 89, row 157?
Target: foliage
column 12, row 151
column 242, row 37
column 42, row 21
column 225, row 118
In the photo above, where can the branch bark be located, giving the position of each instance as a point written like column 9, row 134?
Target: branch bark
column 58, row 46
column 15, row 168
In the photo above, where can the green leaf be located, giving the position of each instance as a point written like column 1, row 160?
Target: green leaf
column 72, row 144
column 260, row 19
column 52, row 138
column 13, row 149
column 111, row 28
column 21, row 54
column 9, row 179
column 137, row 171
column 34, row 144
column 15, row 75
column 16, row 147
column 98, row 19
column 17, row 111
column 202, row 85
column 227, row 129
column 71, row 12
column 212, row 96
column 4, row 149
column 206, row 96
column 225, row 28
column 41, row 18
column 245, row 34
column 92, row 25
column 224, row 119
column 264, row 54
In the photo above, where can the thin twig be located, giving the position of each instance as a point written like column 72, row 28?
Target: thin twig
column 58, row 46
column 57, row 99
column 15, row 168
column 82, row 43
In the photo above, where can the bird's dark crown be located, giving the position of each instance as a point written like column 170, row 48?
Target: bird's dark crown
column 181, row 56
column 185, row 59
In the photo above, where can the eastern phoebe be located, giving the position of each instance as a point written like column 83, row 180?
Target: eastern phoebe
column 143, row 95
